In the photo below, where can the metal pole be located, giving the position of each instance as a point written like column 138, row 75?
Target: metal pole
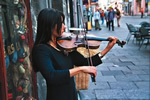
column 49, row 3
column 75, row 14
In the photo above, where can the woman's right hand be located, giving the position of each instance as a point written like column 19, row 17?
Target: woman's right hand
column 89, row 69
column 86, row 69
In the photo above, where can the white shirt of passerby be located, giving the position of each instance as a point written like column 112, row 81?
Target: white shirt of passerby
column 96, row 15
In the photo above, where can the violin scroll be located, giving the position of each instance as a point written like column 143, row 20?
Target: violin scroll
column 120, row 43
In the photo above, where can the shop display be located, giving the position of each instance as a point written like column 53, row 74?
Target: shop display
column 13, row 22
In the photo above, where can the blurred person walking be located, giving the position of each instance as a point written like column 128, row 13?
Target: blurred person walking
column 118, row 16
column 85, row 15
column 102, row 16
column 146, row 11
column 97, row 19
column 111, row 16
column 106, row 17
column 142, row 12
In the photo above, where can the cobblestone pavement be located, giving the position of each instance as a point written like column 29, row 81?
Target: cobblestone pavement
column 125, row 72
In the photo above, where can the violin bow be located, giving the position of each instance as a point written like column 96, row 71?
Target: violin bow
column 87, row 45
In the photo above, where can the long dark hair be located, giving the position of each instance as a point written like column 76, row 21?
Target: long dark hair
column 46, row 22
column 47, row 19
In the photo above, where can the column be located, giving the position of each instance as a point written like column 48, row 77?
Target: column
column 143, row 4
column 135, row 7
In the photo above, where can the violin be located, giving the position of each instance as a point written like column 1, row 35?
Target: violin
column 70, row 42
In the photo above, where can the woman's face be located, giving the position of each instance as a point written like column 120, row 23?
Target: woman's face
column 63, row 27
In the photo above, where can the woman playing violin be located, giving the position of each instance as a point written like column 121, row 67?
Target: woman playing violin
column 56, row 67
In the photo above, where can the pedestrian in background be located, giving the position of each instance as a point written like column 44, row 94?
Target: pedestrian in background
column 96, row 16
column 102, row 16
column 106, row 17
column 55, row 65
column 111, row 16
column 146, row 11
column 85, row 15
column 118, row 16
column 142, row 12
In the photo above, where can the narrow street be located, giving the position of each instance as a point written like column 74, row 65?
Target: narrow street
column 125, row 72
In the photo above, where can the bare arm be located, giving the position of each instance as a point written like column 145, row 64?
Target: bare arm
column 109, row 46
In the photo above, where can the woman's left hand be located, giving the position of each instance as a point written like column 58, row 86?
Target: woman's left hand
column 112, row 43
